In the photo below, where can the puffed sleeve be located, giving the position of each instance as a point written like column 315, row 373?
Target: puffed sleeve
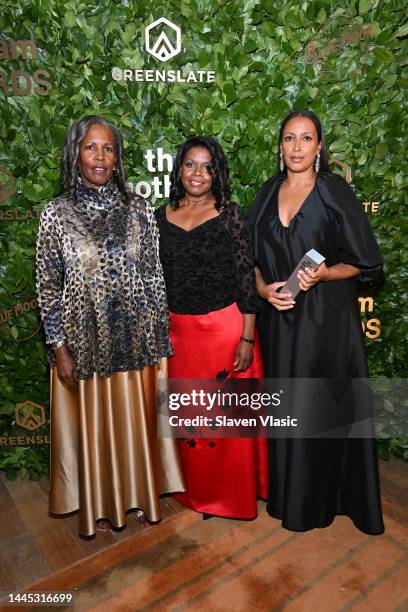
column 244, row 267
column 355, row 238
column 50, row 276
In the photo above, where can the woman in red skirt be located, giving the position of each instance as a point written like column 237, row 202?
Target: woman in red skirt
column 208, row 267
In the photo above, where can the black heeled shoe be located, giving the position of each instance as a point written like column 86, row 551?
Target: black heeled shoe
column 207, row 516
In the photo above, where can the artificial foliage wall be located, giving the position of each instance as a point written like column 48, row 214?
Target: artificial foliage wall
column 227, row 68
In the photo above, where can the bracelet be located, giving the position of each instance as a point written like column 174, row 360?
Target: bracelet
column 247, row 340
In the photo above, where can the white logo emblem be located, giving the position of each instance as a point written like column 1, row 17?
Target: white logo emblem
column 158, row 42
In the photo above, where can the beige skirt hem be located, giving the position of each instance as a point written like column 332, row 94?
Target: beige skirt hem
column 106, row 458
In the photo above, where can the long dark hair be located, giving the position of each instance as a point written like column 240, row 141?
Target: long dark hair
column 324, row 156
column 219, row 169
column 70, row 156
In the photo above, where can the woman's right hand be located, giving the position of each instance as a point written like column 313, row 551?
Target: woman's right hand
column 66, row 367
column 280, row 301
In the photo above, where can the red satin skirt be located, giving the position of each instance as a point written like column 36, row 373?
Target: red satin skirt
column 226, row 477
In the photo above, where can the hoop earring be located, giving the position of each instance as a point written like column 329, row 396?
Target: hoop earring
column 317, row 163
column 281, row 162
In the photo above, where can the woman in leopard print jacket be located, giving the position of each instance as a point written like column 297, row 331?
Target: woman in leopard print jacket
column 103, row 305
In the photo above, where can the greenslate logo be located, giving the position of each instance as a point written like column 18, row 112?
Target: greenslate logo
column 30, row 415
column 163, row 39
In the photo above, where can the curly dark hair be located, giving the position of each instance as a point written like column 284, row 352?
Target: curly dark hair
column 324, row 156
column 219, row 169
column 70, row 156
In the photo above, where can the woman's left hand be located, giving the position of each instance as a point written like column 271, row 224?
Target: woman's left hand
column 243, row 356
column 307, row 279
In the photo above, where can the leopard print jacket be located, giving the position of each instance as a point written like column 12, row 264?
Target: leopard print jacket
column 100, row 283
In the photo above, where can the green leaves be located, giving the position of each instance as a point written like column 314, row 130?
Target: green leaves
column 383, row 55
column 344, row 62
column 403, row 30
column 294, row 19
column 364, row 6
column 229, row 91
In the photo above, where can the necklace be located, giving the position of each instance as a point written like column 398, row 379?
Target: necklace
column 197, row 203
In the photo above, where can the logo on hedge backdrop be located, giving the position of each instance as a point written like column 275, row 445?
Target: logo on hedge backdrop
column 369, row 207
column 316, row 52
column 163, row 39
column 19, row 332
column 17, row 310
column 30, row 416
column 7, row 184
column 371, row 326
column 158, row 161
column 20, row 82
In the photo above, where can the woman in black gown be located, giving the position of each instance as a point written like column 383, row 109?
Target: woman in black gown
column 319, row 335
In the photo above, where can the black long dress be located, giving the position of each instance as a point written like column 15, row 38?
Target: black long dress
column 313, row 480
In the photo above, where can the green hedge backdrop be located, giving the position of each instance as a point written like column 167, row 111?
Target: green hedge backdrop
column 345, row 60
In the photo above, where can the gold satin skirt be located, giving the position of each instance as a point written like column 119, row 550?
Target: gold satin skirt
column 105, row 455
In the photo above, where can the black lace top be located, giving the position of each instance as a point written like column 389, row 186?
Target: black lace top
column 210, row 266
